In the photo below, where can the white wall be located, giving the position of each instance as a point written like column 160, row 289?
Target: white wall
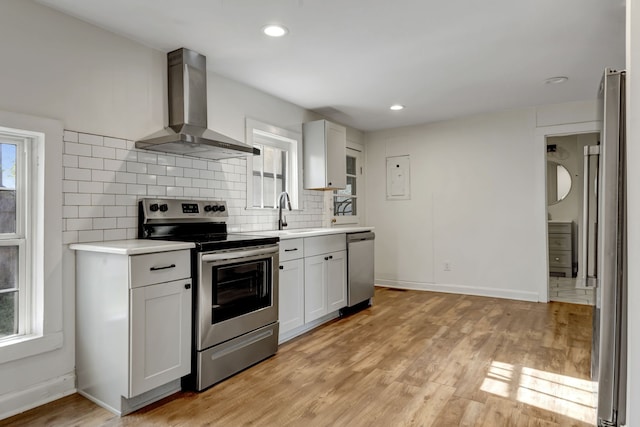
column 633, row 208
column 477, row 202
column 95, row 82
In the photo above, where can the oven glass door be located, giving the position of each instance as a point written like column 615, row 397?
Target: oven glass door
column 240, row 288
column 237, row 293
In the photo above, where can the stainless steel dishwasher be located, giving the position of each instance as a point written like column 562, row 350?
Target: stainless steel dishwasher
column 360, row 267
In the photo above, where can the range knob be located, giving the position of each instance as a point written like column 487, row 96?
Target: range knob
column 154, row 207
column 164, row 207
column 215, row 208
column 221, row 208
column 208, row 208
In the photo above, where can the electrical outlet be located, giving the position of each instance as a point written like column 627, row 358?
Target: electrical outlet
column 446, row 266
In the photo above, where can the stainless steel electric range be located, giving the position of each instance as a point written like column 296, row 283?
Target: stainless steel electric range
column 235, row 302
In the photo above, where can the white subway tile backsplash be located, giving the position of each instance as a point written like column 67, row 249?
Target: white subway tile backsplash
column 126, row 177
column 191, row 173
column 69, row 186
column 127, row 222
column 105, row 177
column 69, row 212
column 77, row 149
column 157, row 169
column 103, row 199
column 166, row 181
column 147, row 179
column 199, row 164
column 184, row 162
column 103, row 152
column 69, row 161
column 125, row 199
column 90, row 236
column 90, row 187
column 156, row 190
column 136, row 167
column 115, row 234
column 77, row 199
column 124, row 154
column 115, row 211
column 175, row 171
column 146, row 157
column 115, row 188
column 86, row 138
column 70, row 136
column 114, row 165
column 137, row 189
column 90, row 211
column 79, row 224
column 206, row 174
column 77, row 174
column 115, row 142
column 166, row 160
column 175, row 191
column 69, row 237
column 104, row 223
column 191, row 192
column 183, row 182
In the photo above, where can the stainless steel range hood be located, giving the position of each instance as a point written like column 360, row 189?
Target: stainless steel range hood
column 187, row 133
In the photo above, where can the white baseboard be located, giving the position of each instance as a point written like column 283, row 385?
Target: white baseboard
column 460, row 289
column 14, row 403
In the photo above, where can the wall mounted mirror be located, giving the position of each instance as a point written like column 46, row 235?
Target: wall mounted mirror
column 558, row 182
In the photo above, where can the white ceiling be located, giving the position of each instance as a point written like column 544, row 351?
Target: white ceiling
column 352, row 59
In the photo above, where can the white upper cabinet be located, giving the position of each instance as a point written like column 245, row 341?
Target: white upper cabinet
column 324, row 155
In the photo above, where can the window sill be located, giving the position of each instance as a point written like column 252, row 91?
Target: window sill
column 30, row 345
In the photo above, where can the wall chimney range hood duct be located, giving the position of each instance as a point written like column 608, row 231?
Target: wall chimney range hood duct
column 187, row 133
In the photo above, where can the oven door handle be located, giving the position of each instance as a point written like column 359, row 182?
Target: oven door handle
column 223, row 256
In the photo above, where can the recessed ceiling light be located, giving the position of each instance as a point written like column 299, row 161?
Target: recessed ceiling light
column 274, row 30
column 556, row 80
column 396, row 107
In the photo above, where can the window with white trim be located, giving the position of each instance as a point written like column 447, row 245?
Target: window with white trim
column 15, row 235
column 276, row 169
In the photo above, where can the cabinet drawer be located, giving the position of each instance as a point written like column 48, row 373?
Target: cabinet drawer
column 324, row 244
column 560, row 259
column 559, row 242
column 559, row 227
column 291, row 249
column 159, row 267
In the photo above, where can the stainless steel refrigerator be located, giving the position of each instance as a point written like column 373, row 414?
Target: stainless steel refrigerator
column 605, row 254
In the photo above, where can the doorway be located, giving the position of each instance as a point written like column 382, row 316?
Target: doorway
column 565, row 196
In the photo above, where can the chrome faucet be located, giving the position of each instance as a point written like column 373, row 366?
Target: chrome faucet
column 282, row 222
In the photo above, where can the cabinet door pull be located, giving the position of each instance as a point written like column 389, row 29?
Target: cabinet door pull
column 330, row 256
column 291, row 250
column 162, row 268
column 187, row 286
column 281, row 267
column 326, row 258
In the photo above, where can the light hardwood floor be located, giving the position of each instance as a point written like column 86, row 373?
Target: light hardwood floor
column 414, row 358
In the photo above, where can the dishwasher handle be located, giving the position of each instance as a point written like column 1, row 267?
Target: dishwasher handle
column 359, row 237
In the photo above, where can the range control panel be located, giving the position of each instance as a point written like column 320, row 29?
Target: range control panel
column 187, row 210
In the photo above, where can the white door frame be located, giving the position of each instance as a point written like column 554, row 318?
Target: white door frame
column 541, row 135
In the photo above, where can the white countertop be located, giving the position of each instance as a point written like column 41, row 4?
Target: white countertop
column 296, row 233
column 131, row 247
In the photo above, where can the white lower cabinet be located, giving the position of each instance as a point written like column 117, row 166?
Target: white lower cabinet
column 325, row 285
column 313, row 282
column 133, row 326
column 160, row 335
column 291, row 295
